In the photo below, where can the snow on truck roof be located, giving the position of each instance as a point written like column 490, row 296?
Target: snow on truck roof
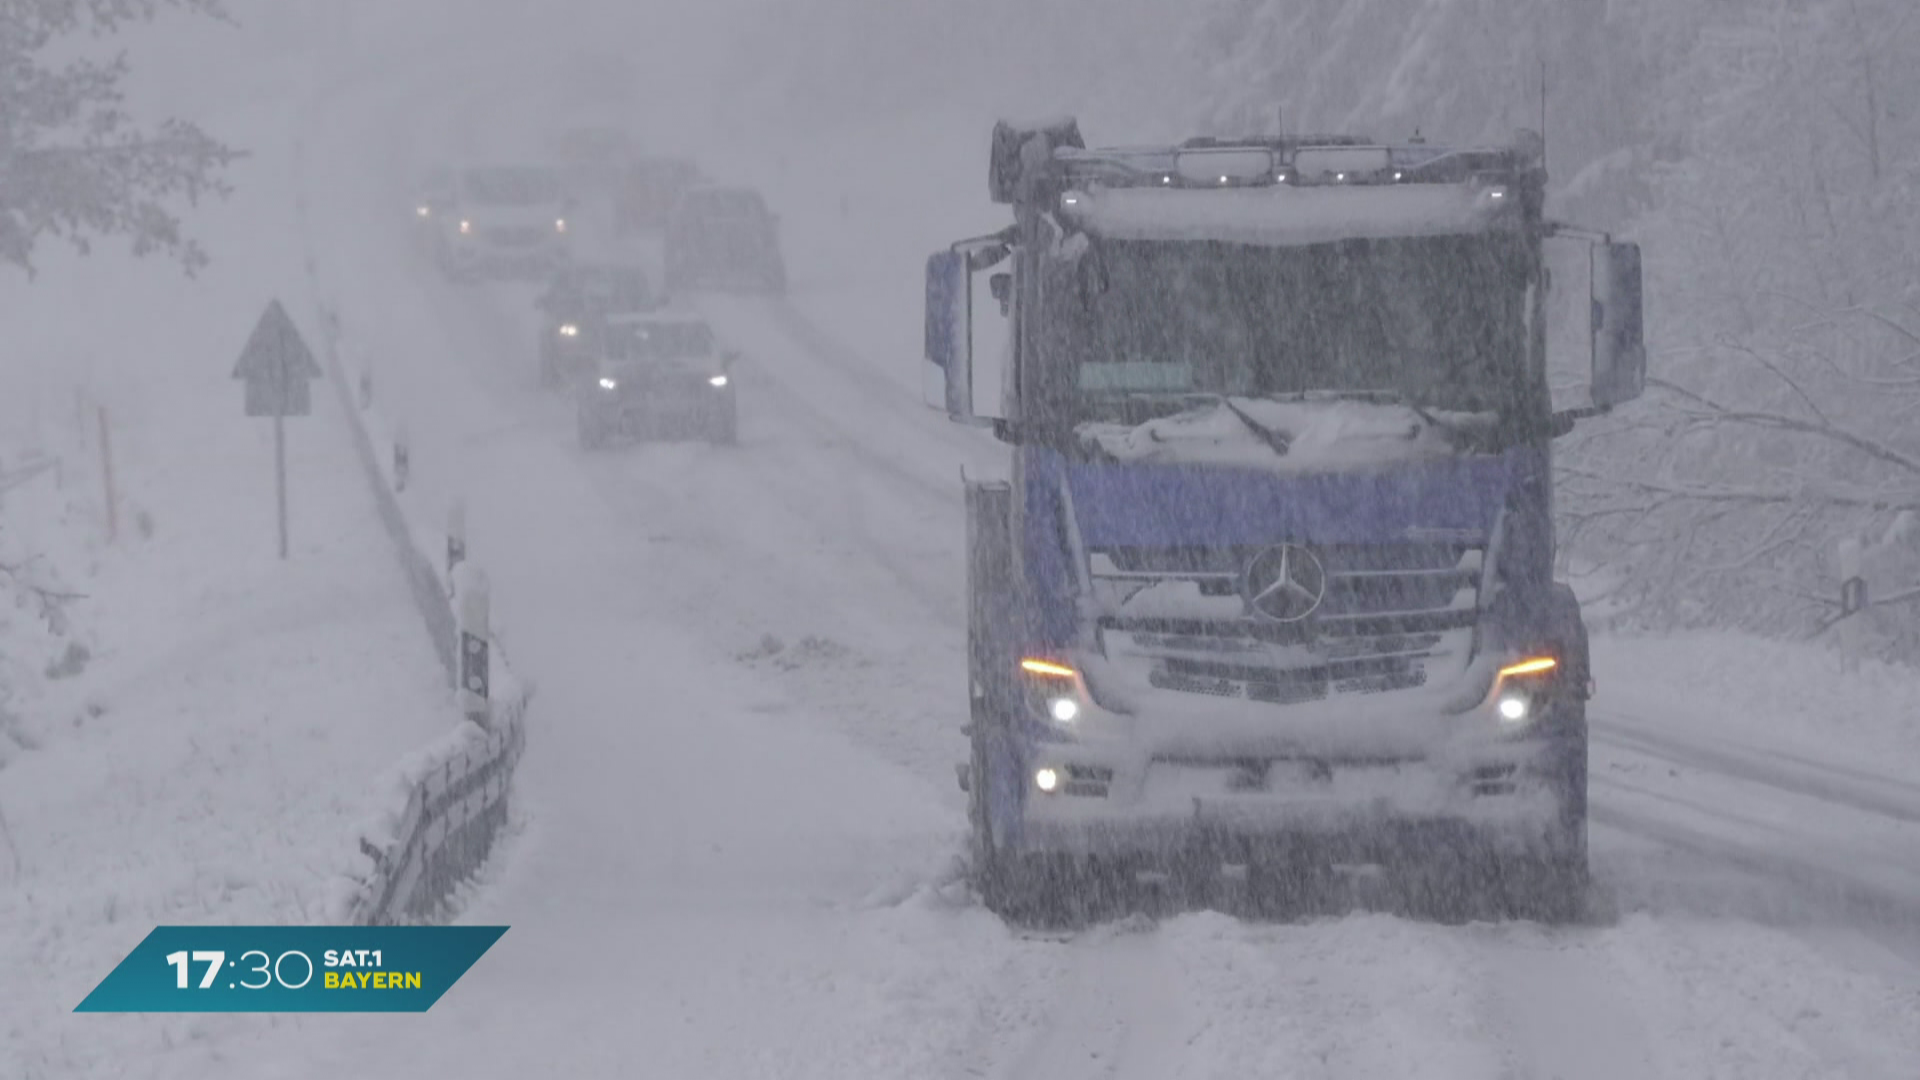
column 1282, row 215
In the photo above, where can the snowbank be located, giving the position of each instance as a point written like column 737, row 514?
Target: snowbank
column 238, row 715
column 1744, row 690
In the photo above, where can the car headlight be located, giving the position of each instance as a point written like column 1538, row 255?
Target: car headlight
column 466, row 227
column 559, row 224
column 569, row 330
column 717, row 380
column 423, row 211
column 608, row 383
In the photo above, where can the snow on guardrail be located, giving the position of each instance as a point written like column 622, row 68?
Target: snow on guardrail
column 449, row 798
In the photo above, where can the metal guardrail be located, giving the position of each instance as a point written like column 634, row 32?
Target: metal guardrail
column 456, row 792
column 454, row 811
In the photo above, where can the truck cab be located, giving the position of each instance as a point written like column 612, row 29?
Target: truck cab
column 1270, row 589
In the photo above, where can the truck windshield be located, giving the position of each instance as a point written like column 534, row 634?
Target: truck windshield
column 1440, row 320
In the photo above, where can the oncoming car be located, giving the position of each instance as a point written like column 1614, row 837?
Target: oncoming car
column 503, row 220
column 575, row 308
column 658, row 377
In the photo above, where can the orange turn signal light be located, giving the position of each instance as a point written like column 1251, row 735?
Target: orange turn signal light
column 1533, row 666
column 1047, row 669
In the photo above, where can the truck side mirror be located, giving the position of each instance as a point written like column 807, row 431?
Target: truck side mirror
column 1002, row 286
column 947, row 375
column 1619, row 345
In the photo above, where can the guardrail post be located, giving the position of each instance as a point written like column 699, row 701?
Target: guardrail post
column 1853, row 600
column 456, row 536
column 366, row 388
column 402, row 458
column 471, row 602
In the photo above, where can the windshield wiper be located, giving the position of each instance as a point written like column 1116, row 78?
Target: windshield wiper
column 1418, row 405
column 1280, row 441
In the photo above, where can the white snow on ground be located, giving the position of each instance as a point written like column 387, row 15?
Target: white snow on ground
column 240, row 715
column 740, row 858
column 1783, row 696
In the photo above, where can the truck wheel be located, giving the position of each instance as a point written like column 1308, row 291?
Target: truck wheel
column 1552, row 886
column 549, row 371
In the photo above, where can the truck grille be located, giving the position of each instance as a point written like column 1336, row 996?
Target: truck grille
column 1392, row 617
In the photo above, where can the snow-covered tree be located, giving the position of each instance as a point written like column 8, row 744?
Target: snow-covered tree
column 1767, row 154
column 75, row 164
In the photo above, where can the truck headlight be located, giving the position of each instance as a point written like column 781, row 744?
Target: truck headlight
column 608, row 383
column 569, row 330
column 423, row 211
column 1517, row 686
column 717, row 380
column 1055, row 689
column 1514, row 708
column 559, row 224
column 466, row 227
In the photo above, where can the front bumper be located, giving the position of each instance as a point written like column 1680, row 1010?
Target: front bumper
column 1375, row 780
column 693, row 404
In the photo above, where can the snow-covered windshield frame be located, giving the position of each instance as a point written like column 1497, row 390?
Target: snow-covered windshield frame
column 1481, row 298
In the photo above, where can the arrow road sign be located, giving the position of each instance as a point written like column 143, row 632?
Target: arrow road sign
column 277, row 366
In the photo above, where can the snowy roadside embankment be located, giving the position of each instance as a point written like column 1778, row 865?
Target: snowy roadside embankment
column 238, row 712
column 234, row 717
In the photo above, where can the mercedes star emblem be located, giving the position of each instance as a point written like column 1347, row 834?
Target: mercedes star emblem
column 1285, row 583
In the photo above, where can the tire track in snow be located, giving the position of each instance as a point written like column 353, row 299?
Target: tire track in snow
column 1116, row 1013
column 1787, row 772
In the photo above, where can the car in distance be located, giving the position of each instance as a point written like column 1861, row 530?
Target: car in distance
column 724, row 237
column 647, row 191
column 504, row 220
column 658, row 376
column 574, row 311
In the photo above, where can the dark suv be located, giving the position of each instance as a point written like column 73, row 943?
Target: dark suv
column 575, row 310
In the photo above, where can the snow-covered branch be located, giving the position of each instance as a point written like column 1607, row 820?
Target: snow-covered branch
column 73, row 163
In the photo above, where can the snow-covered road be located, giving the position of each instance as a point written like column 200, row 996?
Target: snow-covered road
column 740, row 820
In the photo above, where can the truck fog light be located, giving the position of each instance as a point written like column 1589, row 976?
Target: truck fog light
column 1513, row 708
column 1065, row 710
column 1047, row 780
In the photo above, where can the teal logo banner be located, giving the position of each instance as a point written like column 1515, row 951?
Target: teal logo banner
column 291, row 969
